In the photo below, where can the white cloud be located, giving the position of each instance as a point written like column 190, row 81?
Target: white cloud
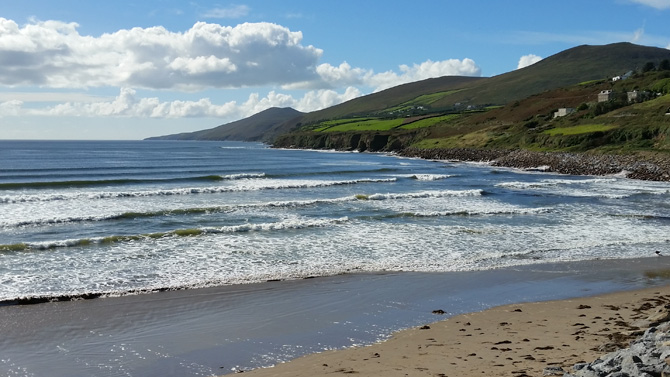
column 331, row 76
column 658, row 4
column 527, row 60
column 235, row 11
column 344, row 74
column 128, row 104
column 10, row 108
column 201, row 65
column 53, row 54
column 321, row 99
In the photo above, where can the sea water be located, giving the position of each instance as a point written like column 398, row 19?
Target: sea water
column 80, row 218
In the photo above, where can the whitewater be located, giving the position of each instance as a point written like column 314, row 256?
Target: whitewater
column 92, row 218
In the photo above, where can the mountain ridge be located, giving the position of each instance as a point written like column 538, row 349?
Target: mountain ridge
column 253, row 128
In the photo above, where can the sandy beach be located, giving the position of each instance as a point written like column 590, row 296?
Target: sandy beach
column 496, row 321
column 511, row 340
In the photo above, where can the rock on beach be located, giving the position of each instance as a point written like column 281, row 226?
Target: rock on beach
column 647, row 356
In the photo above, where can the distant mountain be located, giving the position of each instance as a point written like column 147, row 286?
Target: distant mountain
column 254, row 128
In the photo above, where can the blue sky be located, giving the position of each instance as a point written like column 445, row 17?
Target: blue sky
column 133, row 69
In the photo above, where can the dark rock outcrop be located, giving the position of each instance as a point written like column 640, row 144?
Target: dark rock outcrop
column 346, row 141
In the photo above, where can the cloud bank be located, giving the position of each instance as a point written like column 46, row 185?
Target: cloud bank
column 128, row 104
column 53, row 54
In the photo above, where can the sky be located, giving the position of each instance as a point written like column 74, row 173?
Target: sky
column 125, row 70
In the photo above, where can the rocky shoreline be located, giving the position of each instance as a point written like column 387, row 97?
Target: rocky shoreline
column 647, row 356
column 656, row 168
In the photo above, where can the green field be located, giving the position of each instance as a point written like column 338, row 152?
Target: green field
column 427, row 122
column 578, row 130
column 422, row 100
column 376, row 124
column 323, row 126
column 591, row 82
column 365, row 124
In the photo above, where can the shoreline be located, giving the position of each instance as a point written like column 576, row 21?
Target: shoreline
column 654, row 168
column 524, row 339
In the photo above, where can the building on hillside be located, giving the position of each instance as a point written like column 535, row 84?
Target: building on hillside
column 639, row 96
column 604, row 96
column 563, row 111
column 622, row 77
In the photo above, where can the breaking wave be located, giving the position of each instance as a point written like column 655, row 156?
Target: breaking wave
column 110, row 182
column 230, row 208
column 274, row 226
column 250, row 186
column 430, row 177
column 424, row 194
column 492, row 212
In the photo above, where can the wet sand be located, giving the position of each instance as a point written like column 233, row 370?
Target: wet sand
column 221, row 330
column 528, row 339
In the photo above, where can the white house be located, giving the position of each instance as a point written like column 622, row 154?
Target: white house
column 563, row 111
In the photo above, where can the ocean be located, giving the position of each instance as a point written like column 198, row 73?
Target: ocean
column 208, row 258
column 82, row 218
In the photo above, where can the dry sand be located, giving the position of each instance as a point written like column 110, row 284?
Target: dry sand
column 513, row 340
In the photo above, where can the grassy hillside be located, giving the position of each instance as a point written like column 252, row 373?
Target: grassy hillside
column 569, row 67
column 418, row 93
column 513, row 110
column 611, row 127
column 458, row 94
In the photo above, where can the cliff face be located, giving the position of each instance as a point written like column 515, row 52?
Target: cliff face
column 349, row 141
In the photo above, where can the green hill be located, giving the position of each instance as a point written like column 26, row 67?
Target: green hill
column 569, row 67
column 254, row 128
